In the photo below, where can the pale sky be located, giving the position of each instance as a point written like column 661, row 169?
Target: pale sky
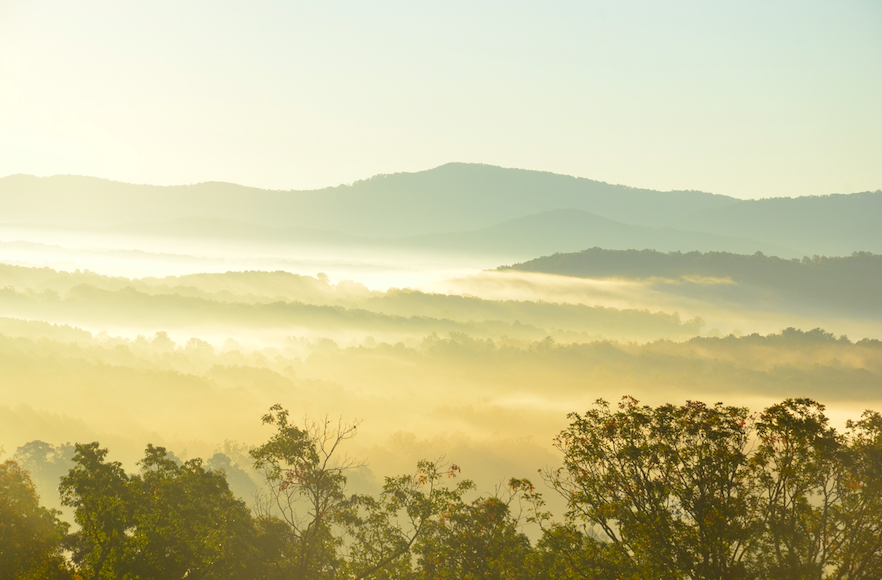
column 749, row 99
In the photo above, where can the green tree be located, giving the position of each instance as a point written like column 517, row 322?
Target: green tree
column 477, row 540
column 383, row 531
column 570, row 552
column 315, row 530
column 186, row 522
column 712, row 492
column 305, row 492
column 30, row 535
column 858, row 514
column 820, row 494
column 667, row 487
column 796, row 468
column 171, row 521
column 98, row 492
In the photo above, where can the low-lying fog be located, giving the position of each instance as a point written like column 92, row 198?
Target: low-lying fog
column 154, row 344
column 134, row 256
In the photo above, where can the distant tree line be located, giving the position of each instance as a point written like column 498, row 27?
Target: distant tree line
column 853, row 281
column 670, row 492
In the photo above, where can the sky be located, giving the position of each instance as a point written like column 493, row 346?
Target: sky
column 748, row 99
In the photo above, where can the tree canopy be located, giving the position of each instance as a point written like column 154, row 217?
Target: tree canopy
column 30, row 535
column 690, row 491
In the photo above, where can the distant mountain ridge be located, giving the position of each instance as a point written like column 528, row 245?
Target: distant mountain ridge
column 433, row 206
column 836, row 224
column 452, row 197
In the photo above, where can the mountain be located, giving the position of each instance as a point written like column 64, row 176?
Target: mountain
column 827, row 224
column 453, row 197
column 429, row 207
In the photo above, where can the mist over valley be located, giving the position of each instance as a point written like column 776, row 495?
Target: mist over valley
column 421, row 304
column 440, row 291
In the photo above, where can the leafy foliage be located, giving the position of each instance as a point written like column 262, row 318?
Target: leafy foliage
column 671, row 492
column 325, row 533
column 475, row 540
column 30, row 535
column 170, row 521
column 714, row 492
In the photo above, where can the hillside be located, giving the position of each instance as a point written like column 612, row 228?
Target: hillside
column 848, row 284
column 828, row 224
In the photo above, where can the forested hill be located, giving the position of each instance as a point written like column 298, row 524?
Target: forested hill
column 853, row 281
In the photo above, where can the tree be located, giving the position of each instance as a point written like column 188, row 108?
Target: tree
column 186, row 522
column 30, row 535
column 569, row 552
column 315, row 530
column 713, row 492
column 858, row 514
column 477, row 540
column 172, row 521
column 796, row 467
column 666, row 487
column 383, row 531
column 305, row 492
column 99, row 494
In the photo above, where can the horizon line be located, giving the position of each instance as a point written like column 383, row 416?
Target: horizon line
column 383, row 175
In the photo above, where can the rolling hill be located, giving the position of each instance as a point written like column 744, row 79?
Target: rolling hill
column 851, row 284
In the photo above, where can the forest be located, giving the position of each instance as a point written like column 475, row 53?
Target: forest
column 674, row 491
